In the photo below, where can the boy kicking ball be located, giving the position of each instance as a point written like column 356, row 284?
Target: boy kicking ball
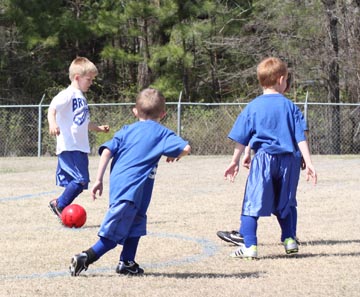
column 135, row 151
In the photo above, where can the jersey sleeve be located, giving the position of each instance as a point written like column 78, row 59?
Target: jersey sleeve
column 300, row 125
column 242, row 129
column 60, row 100
column 114, row 144
column 174, row 145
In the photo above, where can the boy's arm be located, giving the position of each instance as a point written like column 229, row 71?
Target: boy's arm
column 233, row 169
column 246, row 160
column 53, row 127
column 186, row 151
column 104, row 161
column 310, row 169
column 303, row 164
column 97, row 128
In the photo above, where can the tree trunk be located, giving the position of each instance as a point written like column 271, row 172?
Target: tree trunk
column 333, row 80
column 144, row 72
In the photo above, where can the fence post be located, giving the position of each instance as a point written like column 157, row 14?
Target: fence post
column 306, row 108
column 179, row 115
column 39, row 126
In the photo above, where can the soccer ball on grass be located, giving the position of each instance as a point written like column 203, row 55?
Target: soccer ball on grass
column 73, row 216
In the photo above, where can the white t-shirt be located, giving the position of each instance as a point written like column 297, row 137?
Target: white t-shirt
column 72, row 117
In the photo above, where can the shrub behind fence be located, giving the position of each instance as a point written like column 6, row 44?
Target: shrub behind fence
column 334, row 128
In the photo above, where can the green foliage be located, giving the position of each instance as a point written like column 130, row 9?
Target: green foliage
column 169, row 86
column 207, row 49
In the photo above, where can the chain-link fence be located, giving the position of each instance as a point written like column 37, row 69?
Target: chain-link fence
column 334, row 128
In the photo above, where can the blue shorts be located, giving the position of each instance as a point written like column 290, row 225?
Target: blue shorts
column 272, row 184
column 121, row 221
column 72, row 166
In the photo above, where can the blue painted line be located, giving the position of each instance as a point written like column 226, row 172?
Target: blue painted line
column 208, row 249
column 28, row 196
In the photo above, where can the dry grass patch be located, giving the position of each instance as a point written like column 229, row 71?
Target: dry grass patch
column 182, row 255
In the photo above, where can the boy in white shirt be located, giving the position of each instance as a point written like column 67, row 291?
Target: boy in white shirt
column 69, row 121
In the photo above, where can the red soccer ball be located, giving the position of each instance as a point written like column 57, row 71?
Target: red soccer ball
column 73, row 216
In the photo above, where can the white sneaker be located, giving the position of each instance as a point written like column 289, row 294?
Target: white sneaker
column 245, row 253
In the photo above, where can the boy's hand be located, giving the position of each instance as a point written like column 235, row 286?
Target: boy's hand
column 54, row 130
column 185, row 152
column 97, row 187
column 232, row 171
column 170, row 159
column 104, row 128
column 310, row 173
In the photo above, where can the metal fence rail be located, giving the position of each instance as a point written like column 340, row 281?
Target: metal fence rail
column 334, row 128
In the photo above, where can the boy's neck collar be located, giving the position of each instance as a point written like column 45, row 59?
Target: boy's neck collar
column 270, row 91
column 154, row 120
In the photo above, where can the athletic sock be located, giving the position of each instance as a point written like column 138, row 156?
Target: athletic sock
column 129, row 249
column 286, row 227
column 248, row 229
column 92, row 257
column 102, row 246
column 293, row 210
column 72, row 190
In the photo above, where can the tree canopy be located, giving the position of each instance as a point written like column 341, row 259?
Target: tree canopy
column 207, row 49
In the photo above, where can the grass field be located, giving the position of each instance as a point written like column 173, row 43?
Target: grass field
column 182, row 255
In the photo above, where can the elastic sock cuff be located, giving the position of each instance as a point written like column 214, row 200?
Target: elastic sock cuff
column 92, row 257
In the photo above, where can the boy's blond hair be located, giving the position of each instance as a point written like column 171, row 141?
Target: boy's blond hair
column 150, row 104
column 270, row 70
column 81, row 66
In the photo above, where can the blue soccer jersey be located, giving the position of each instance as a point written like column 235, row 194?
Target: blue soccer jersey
column 273, row 126
column 271, row 122
column 136, row 150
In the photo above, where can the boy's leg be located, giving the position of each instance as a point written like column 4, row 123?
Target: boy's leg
column 286, row 225
column 248, row 229
column 72, row 173
column 127, row 264
column 101, row 247
column 287, row 234
column 129, row 249
column 81, row 261
column 116, row 224
column 72, row 190
column 294, row 219
column 293, row 210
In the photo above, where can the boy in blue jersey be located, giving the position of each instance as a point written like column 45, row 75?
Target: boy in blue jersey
column 234, row 236
column 272, row 126
column 135, row 151
column 69, row 121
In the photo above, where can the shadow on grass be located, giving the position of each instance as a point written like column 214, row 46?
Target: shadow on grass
column 329, row 242
column 307, row 255
column 90, row 227
column 205, row 275
column 183, row 275
column 312, row 242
